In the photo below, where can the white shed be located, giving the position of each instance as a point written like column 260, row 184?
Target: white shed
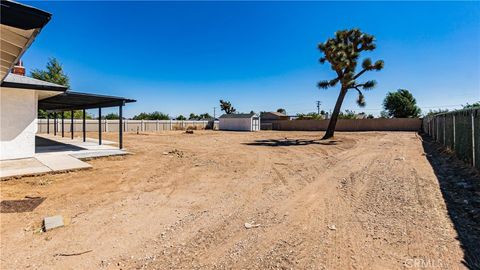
column 239, row 122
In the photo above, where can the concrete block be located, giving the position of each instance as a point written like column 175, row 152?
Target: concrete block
column 50, row 223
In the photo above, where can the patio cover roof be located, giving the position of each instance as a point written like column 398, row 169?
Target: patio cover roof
column 20, row 24
column 77, row 101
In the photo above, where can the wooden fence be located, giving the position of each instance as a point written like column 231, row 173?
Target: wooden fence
column 378, row 124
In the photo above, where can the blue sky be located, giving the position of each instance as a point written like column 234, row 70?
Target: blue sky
column 182, row 57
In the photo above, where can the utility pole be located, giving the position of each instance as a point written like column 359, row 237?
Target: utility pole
column 214, row 108
column 318, row 106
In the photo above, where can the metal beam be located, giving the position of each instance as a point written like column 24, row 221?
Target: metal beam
column 71, row 124
column 48, row 123
column 120, row 127
column 99, row 126
column 55, row 124
column 84, row 129
column 63, row 124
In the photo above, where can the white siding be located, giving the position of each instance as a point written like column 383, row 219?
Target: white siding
column 239, row 124
column 18, row 123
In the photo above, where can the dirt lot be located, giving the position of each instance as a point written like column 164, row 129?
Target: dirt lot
column 372, row 200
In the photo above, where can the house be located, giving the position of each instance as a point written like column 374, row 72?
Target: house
column 269, row 117
column 22, row 96
column 239, row 122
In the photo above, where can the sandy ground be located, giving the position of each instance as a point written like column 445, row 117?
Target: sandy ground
column 372, row 200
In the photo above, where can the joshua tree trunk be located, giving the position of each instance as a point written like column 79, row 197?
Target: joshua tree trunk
column 333, row 119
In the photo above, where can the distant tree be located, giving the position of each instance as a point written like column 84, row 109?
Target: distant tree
column 205, row 116
column 348, row 114
column 202, row 116
column 401, row 104
column 370, row 116
column 181, row 117
column 227, row 107
column 311, row 115
column 433, row 112
column 42, row 114
column 342, row 52
column 151, row 116
column 111, row 116
column 384, row 114
column 281, row 110
column 76, row 114
column 159, row 116
column 471, row 106
column 54, row 74
column 141, row 116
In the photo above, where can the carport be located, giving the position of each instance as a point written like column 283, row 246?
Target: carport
column 72, row 101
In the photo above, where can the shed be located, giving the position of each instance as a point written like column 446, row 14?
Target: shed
column 239, row 122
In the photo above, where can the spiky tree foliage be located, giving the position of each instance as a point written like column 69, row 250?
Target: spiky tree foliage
column 342, row 52
column 401, row 104
column 227, row 107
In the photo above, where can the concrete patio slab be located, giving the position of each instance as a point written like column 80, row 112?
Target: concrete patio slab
column 19, row 167
column 55, row 154
column 95, row 154
column 62, row 162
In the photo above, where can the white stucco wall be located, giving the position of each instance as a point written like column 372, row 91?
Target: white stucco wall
column 242, row 124
column 18, row 123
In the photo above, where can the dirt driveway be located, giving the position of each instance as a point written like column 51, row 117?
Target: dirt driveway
column 367, row 200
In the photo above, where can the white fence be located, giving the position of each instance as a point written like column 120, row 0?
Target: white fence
column 128, row 125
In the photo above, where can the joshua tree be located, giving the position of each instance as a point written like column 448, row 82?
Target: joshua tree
column 227, row 107
column 342, row 53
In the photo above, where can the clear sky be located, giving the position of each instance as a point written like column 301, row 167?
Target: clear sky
column 182, row 57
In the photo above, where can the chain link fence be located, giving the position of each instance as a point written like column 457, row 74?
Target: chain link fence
column 459, row 131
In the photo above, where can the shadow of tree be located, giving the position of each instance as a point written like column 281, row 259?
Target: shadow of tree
column 460, row 187
column 19, row 206
column 291, row 142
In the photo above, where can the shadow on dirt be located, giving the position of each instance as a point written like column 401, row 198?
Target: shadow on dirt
column 292, row 142
column 460, row 186
column 20, row 206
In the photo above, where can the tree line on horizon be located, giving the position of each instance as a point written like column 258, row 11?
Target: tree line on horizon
column 341, row 52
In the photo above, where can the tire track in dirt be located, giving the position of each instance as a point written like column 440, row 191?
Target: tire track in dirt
column 188, row 212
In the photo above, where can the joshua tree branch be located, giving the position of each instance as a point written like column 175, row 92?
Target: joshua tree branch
column 358, row 90
column 360, row 73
